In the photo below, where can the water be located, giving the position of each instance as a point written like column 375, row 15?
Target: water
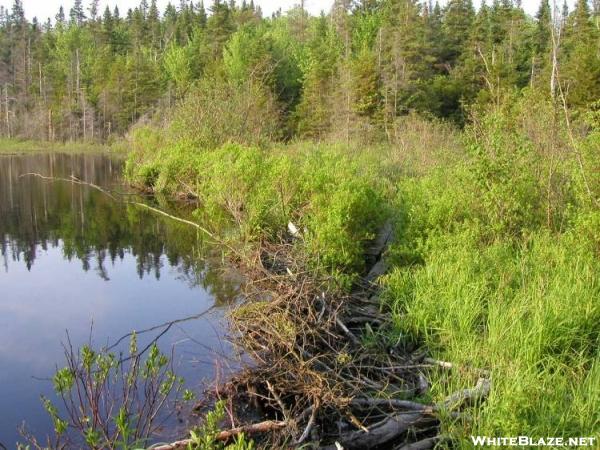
column 72, row 258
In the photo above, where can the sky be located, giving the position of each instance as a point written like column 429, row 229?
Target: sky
column 48, row 8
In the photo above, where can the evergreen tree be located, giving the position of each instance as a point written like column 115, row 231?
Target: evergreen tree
column 580, row 72
column 458, row 19
column 220, row 26
column 77, row 15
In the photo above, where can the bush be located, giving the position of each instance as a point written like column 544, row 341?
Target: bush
column 216, row 112
column 259, row 191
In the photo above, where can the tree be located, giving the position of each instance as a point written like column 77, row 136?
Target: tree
column 77, row 15
column 457, row 22
column 220, row 26
column 580, row 74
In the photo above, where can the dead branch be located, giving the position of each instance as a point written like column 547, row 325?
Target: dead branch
column 380, row 433
column 261, row 427
column 469, row 396
column 309, row 425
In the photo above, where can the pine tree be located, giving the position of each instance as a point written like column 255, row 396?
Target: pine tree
column 93, row 9
column 580, row 72
column 77, row 15
column 457, row 22
column 313, row 113
column 220, row 26
column 154, row 28
column 405, row 56
column 543, row 32
column 60, row 16
column 201, row 15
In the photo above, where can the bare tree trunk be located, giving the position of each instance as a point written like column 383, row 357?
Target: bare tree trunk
column 50, row 136
column 80, row 95
column 555, row 34
column 7, row 111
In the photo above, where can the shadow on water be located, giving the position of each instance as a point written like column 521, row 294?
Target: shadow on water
column 73, row 256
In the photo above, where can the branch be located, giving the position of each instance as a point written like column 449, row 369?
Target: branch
column 261, row 427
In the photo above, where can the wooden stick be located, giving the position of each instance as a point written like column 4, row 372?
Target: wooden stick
column 392, row 403
column 347, row 332
column 261, row 427
column 467, row 396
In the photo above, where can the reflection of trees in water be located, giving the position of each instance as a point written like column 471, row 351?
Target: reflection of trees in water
column 91, row 227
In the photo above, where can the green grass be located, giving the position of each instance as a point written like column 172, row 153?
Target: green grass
column 497, row 267
column 20, row 147
column 528, row 312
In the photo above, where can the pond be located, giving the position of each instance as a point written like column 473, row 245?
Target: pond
column 75, row 260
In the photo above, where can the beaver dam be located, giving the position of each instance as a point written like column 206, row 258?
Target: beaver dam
column 320, row 378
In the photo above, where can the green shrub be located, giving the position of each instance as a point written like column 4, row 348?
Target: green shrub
column 257, row 192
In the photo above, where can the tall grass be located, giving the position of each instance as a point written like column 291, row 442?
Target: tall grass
column 530, row 313
column 497, row 267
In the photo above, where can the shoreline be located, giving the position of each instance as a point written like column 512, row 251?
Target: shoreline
column 15, row 146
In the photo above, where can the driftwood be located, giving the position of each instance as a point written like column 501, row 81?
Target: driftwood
column 75, row 180
column 380, row 433
column 393, row 404
column 448, row 365
column 261, row 427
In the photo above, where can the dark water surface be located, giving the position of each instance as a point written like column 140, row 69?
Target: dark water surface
column 72, row 256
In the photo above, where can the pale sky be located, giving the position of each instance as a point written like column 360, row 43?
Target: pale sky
column 48, row 8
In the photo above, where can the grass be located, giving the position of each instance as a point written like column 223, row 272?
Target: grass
column 497, row 266
column 20, row 147
column 527, row 312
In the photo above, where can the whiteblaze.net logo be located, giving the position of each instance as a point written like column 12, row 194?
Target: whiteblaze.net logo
column 528, row 441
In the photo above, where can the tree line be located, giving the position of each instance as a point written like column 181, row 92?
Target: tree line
column 90, row 74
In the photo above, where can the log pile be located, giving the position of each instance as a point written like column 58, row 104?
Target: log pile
column 321, row 369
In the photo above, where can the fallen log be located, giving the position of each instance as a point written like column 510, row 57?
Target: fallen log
column 468, row 396
column 449, row 365
column 380, row 433
column 392, row 403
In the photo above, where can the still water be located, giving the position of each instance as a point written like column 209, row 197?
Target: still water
column 73, row 259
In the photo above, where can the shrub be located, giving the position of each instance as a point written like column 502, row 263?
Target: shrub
column 216, row 112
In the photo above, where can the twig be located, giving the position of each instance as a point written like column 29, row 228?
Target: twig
column 309, row 425
column 347, row 332
column 284, row 411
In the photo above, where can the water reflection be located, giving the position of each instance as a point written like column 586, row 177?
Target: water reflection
column 72, row 255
